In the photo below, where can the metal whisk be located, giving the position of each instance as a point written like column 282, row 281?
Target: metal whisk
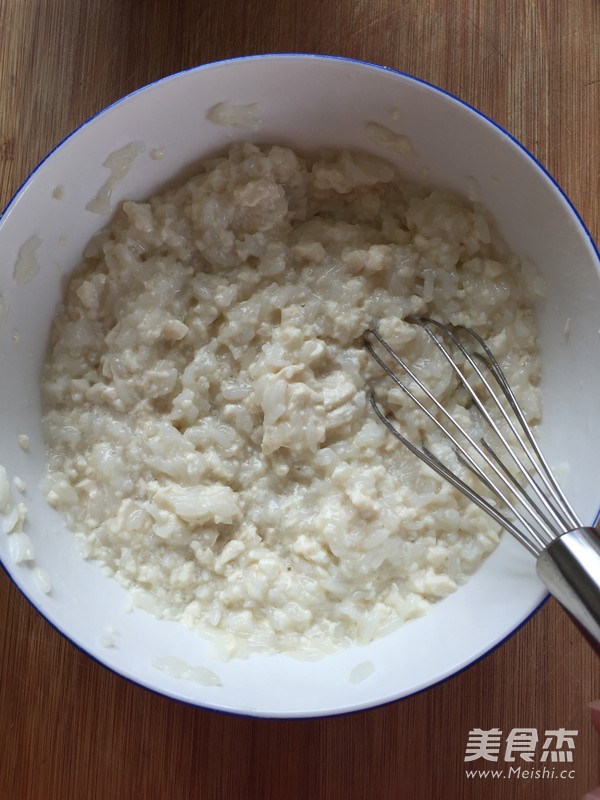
column 522, row 494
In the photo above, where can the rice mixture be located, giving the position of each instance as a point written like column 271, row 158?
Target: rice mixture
column 206, row 412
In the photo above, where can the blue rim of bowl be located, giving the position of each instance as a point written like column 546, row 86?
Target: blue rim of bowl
column 371, row 65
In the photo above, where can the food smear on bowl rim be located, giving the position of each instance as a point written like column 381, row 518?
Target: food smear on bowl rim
column 205, row 398
column 24, row 441
column 41, row 578
column 108, row 637
column 4, row 310
column 235, row 115
column 13, row 521
column 5, row 496
column 27, row 265
column 118, row 163
column 177, row 668
column 362, row 671
column 397, row 143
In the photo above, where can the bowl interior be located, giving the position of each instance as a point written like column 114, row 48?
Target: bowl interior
column 307, row 102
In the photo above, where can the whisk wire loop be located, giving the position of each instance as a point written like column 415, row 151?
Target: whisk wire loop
column 557, row 506
column 534, row 455
column 545, row 518
column 463, row 455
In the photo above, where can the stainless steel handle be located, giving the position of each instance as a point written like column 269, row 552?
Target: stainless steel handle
column 570, row 568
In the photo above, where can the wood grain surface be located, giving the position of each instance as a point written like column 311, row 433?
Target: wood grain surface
column 68, row 727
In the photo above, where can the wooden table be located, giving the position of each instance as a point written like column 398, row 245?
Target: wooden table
column 68, row 727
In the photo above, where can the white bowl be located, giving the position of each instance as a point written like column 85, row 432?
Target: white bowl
column 306, row 102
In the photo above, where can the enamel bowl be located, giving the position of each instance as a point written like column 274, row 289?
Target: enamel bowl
column 306, row 102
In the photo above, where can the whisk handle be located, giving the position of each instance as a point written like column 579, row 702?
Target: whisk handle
column 570, row 568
